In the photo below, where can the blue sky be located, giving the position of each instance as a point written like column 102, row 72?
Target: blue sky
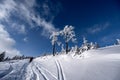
column 25, row 26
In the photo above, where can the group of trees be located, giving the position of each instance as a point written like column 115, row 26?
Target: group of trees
column 67, row 34
column 3, row 58
column 20, row 57
column 85, row 47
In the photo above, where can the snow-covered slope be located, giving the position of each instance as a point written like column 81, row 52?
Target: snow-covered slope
column 100, row 64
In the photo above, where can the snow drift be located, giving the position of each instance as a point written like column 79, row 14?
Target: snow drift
column 99, row 64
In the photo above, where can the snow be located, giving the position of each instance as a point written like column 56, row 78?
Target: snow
column 54, row 38
column 96, row 64
column 68, row 33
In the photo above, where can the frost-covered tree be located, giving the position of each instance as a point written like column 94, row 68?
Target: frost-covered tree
column 68, row 35
column 118, row 41
column 77, row 51
column 88, row 46
column 96, row 45
column 85, row 45
column 85, row 41
column 54, row 40
column 62, row 48
column 2, row 56
column 92, row 46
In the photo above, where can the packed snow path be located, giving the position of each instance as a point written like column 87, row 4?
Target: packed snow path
column 5, row 73
column 45, row 74
column 15, row 71
column 100, row 64
column 60, row 71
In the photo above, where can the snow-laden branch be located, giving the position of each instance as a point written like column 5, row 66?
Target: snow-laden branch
column 54, row 38
column 68, row 33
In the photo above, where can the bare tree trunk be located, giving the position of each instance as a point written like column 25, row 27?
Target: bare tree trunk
column 66, row 47
column 54, row 50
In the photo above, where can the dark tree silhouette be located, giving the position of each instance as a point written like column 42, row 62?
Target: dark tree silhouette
column 2, row 56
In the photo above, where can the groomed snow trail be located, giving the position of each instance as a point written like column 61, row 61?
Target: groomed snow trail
column 59, row 70
column 37, row 72
column 5, row 73
column 41, row 73
column 16, row 70
column 45, row 74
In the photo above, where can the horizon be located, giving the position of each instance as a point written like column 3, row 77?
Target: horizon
column 25, row 26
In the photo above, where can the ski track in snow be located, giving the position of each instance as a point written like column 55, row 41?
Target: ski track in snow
column 12, row 74
column 34, row 74
column 48, row 72
column 59, row 70
column 37, row 73
column 23, row 71
column 43, row 75
column 5, row 73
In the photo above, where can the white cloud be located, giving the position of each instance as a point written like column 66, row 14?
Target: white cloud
column 98, row 27
column 20, row 16
column 7, row 43
column 21, row 29
column 6, row 7
column 24, row 10
column 25, row 39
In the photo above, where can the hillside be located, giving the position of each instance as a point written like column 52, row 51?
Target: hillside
column 100, row 64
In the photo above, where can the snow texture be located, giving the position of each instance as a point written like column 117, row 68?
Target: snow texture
column 96, row 64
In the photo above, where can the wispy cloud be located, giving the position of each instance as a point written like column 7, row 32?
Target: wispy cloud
column 25, row 39
column 6, row 7
column 7, row 43
column 21, row 29
column 110, row 38
column 98, row 27
column 22, row 15
column 24, row 11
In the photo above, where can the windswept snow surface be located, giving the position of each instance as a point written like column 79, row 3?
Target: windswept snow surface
column 100, row 64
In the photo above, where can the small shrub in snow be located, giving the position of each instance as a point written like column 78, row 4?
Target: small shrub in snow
column 62, row 48
column 85, row 46
column 118, row 41
column 77, row 50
